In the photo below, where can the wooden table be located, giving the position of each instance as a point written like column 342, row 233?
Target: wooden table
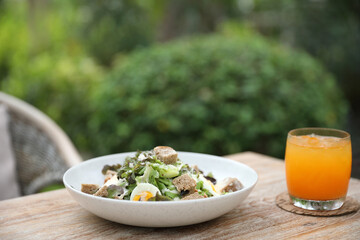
column 55, row 215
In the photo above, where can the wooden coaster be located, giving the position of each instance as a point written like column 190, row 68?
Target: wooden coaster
column 350, row 205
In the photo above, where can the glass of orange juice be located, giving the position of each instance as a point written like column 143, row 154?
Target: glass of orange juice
column 318, row 167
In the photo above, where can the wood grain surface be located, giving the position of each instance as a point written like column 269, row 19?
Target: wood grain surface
column 55, row 215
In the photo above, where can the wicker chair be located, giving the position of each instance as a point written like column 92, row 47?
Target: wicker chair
column 42, row 150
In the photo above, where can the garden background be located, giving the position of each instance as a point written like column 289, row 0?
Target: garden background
column 207, row 76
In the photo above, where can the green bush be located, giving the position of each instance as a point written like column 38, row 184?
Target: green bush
column 215, row 94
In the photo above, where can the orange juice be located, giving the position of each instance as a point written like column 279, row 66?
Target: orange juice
column 318, row 167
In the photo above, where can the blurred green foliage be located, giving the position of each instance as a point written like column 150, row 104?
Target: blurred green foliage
column 112, row 27
column 55, row 74
column 330, row 31
column 217, row 94
column 14, row 38
column 227, row 92
column 60, row 86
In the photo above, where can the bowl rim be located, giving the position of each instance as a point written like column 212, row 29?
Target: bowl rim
column 159, row 203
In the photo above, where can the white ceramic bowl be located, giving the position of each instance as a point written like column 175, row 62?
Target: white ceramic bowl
column 160, row 214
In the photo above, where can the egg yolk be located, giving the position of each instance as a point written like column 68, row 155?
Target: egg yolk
column 144, row 196
column 212, row 186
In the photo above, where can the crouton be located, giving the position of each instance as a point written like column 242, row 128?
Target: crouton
column 166, row 154
column 196, row 169
column 194, row 195
column 109, row 174
column 228, row 185
column 89, row 188
column 184, row 183
column 102, row 192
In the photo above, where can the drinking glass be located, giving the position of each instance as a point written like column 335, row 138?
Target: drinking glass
column 318, row 167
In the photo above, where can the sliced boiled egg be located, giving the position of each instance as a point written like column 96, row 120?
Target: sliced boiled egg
column 143, row 192
column 208, row 185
